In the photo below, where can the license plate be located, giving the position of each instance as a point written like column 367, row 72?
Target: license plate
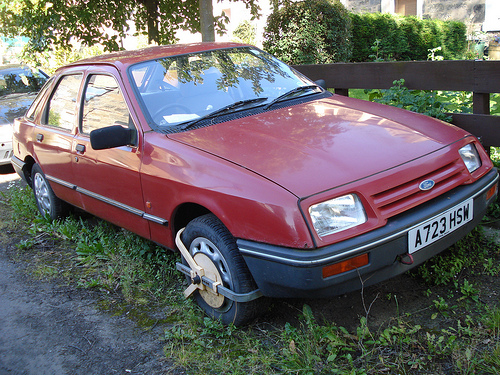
column 440, row 226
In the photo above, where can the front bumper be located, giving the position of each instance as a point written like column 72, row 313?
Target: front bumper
column 286, row 272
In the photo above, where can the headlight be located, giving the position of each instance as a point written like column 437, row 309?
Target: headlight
column 337, row 214
column 470, row 157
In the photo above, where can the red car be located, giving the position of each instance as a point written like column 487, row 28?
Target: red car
column 268, row 184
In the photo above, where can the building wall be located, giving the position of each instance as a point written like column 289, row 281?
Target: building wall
column 477, row 14
column 363, row 6
column 460, row 10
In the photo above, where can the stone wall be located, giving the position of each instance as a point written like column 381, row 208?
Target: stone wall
column 362, row 6
column 467, row 11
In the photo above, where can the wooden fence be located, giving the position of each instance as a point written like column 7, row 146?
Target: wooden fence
column 479, row 77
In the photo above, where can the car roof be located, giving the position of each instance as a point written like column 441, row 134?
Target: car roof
column 14, row 67
column 122, row 59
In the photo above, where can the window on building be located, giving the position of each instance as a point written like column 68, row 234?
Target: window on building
column 406, row 7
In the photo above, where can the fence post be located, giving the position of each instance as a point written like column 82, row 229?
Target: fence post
column 481, row 103
column 344, row 92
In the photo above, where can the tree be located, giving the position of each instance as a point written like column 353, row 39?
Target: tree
column 55, row 23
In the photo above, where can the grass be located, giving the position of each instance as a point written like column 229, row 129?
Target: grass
column 457, row 330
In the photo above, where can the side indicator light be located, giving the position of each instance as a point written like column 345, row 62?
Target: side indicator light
column 346, row 265
column 492, row 192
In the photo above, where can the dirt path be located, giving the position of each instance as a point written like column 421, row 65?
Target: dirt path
column 50, row 328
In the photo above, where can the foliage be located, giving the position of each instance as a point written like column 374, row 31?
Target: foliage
column 474, row 250
column 420, row 101
column 60, row 23
column 311, row 347
column 405, row 38
column 309, row 32
column 245, row 33
column 377, row 51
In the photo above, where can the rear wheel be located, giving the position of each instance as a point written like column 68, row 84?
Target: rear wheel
column 48, row 204
column 214, row 248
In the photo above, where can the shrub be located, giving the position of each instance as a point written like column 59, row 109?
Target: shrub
column 309, row 32
column 406, row 38
column 244, row 33
column 420, row 101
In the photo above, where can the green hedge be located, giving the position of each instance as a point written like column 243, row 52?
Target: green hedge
column 323, row 31
column 309, row 32
column 405, row 38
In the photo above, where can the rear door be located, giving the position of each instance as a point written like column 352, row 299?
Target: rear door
column 109, row 180
column 53, row 137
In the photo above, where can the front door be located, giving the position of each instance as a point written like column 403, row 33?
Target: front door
column 108, row 180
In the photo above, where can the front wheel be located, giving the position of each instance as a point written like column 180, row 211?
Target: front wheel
column 214, row 248
column 48, row 204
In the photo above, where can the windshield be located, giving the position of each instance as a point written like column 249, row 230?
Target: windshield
column 20, row 79
column 182, row 89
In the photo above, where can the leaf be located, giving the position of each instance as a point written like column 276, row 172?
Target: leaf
column 292, row 347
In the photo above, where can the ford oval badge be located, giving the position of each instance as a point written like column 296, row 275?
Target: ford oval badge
column 426, row 185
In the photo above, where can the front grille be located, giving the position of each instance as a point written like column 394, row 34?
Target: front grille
column 400, row 198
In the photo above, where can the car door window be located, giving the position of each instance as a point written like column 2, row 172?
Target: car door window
column 36, row 107
column 62, row 105
column 104, row 105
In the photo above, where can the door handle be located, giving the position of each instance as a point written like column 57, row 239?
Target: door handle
column 39, row 137
column 80, row 148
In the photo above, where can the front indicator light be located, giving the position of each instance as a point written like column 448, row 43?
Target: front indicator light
column 337, row 214
column 470, row 157
column 491, row 192
column 346, row 265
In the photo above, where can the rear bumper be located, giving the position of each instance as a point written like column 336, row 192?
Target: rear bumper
column 286, row 272
column 5, row 152
column 18, row 165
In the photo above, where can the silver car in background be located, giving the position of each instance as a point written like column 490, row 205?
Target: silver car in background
column 19, row 85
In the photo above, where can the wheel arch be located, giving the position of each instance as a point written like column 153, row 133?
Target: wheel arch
column 185, row 213
column 29, row 162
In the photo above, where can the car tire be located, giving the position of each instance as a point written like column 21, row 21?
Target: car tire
column 207, row 235
column 48, row 204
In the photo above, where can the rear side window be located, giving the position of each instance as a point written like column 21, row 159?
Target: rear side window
column 104, row 105
column 62, row 105
column 35, row 107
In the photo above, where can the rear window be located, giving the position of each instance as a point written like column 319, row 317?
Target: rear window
column 20, row 80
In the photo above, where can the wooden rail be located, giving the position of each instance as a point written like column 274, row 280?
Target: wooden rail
column 479, row 77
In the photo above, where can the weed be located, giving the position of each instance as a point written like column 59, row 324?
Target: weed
column 468, row 253
column 442, row 306
column 21, row 201
column 468, row 290
column 490, row 363
column 492, row 321
column 420, row 101
column 25, row 244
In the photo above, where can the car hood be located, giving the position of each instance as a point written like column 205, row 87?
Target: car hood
column 14, row 105
column 322, row 144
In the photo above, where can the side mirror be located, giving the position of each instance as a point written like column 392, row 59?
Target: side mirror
column 321, row 83
column 110, row 137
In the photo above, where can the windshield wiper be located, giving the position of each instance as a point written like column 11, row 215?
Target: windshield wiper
column 226, row 108
column 291, row 92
